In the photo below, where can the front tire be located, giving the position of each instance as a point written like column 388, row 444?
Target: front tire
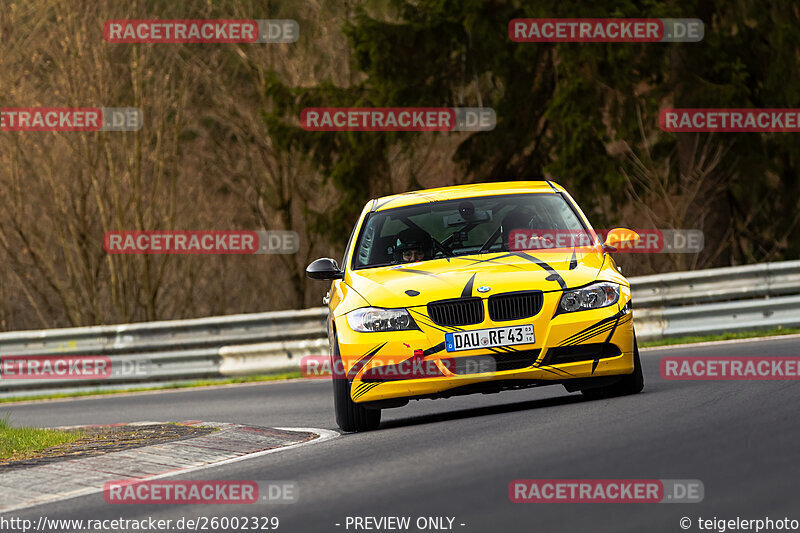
column 349, row 415
column 629, row 384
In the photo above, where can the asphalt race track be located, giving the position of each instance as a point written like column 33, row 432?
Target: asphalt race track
column 456, row 457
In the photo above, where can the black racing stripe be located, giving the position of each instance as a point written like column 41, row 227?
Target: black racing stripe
column 366, row 389
column 363, row 388
column 363, row 391
column 611, row 333
column 596, row 328
column 621, row 319
column 512, row 349
column 598, row 324
column 554, row 275
column 372, row 387
column 554, row 370
column 588, row 335
column 467, row 292
column 354, row 370
column 571, row 339
column 608, row 339
column 494, row 260
column 504, row 349
column 504, row 256
column 434, row 349
column 549, row 368
column 413, row 271
column 420, row 313
column 499, row 350
column 591, row 333
column 432, row 325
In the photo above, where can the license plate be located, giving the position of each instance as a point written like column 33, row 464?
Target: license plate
column 488, row 338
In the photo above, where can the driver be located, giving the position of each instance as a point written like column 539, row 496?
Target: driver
column 518, row 219
column 412, row 245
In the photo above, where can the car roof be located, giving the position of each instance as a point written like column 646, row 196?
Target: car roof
column 464, row 191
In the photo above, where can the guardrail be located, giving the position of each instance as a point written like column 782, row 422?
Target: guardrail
column 717, row 300
column 765, row 295
column 717, row 284
column 174, row 350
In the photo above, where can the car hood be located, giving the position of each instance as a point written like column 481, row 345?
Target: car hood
column 419, row 283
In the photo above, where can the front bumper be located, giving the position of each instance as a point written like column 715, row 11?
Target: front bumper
column 569, row 346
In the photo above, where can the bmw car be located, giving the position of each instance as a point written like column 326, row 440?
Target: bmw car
column 470, row 289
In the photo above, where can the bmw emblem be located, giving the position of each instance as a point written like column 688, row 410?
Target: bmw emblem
column 484, row 288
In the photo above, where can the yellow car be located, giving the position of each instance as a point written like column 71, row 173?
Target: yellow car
column 455, row 290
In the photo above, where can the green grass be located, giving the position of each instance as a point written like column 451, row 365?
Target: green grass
column 21, row 442
column 189, row 384
column 721, row 337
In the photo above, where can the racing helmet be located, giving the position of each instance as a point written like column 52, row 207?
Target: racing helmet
column 412, row 239
column 518, row 219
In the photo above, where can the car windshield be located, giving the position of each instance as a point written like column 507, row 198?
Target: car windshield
column 458, row 227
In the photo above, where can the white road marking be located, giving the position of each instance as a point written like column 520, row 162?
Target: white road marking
column 324, row 435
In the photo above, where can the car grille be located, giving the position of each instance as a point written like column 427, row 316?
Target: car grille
column 515, row 305
column 456, row 312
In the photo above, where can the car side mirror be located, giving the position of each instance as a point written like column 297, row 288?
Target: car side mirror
column 618, row 238
column 324, row 269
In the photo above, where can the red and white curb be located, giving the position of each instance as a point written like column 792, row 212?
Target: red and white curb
column 71, row 478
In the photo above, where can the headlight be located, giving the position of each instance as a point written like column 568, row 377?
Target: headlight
column 368, row 319
column 594, row 296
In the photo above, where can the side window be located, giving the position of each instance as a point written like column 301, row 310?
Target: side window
column 569, row 218
column 365, row 242
column 559, row 214
column 368, row 240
